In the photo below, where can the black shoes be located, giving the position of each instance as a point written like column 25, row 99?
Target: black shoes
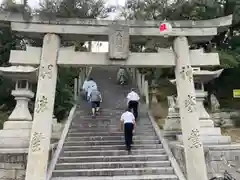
column 128, row 148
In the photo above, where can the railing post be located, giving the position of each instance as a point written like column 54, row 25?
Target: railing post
column 134, row 75
column 79, row 80
column 143, row 84
column 146, row 90
column 75, row 89
column 139, row 81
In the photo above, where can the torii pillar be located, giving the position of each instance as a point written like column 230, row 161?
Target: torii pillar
column 193, row 147
column 44, row 106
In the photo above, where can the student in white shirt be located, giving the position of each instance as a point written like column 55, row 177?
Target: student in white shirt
column 133, row 99
column 128, row 123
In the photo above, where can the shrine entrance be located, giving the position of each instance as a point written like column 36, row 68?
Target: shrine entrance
column 119, row 34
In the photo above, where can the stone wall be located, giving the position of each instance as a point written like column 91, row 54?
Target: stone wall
column 219, row 158
column 13, row 163
column 13, row 166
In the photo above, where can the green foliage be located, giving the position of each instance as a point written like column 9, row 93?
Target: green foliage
column 228, row 58
column 3, row 118
column 7, row 42
column 64, row 92
column 73, row 8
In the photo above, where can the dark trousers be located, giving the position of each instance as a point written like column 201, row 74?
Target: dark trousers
column 128, row 133
column 95, row 104
column 133, row 105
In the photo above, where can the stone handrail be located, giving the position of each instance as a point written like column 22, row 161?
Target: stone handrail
column 60, row 143
column 166, row 147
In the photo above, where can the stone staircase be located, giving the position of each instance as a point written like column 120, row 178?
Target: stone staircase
column 94, row 148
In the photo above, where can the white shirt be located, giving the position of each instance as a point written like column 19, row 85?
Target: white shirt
column 133, row 96
column 128, row 117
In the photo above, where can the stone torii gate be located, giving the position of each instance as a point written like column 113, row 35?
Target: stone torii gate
column 119, row 34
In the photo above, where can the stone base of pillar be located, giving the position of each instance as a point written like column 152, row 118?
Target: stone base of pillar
column 15, row 134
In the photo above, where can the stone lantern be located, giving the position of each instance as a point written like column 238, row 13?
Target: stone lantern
column 209, row 134
column 16, row 131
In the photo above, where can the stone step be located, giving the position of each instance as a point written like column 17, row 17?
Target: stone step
column 106, row 115
column 100, row 130
column 88, row 115
column 103, row 125
column 94, row 120
column 105, row 119
column 94, row 130
column 154, row 157
column 138, row 130
column 110, row 119
column 113, row 172
column 104, row 133
column 110, row 147
column 136, row 177
column 112, row 152
column 99, row 138
column 112, row 165
column 114, row 142
column 114, row 110
column 94, row 123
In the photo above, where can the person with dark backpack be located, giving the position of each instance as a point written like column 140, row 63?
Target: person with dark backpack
column 95, row 98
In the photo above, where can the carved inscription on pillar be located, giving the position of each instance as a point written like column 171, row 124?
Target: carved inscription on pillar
column 36, row 141
column 41, row 104
column 187, row 73
column 195, row 139
column 190, row 103
column 46, row 71
column 118, row 42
